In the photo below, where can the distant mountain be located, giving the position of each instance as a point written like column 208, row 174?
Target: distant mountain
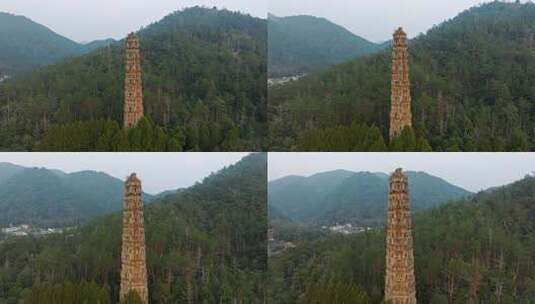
column 295, row 195
column 300, row 44
column 275, row 214
column 204, row 89
column 471, row 86
column 46, row 197
column 167, row 192
column 96, row 44
column 205, row 244
column 7, row 170
column 25, row 45
column 361, row 197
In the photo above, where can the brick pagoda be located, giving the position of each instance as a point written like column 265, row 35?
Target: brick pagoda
column 133, row 263
column 399, row 280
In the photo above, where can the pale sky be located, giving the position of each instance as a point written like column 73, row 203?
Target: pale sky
column 87, row 20
column 376, row 20
column 158, row 171
column 472, row 171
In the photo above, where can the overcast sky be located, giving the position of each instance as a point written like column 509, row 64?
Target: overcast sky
column 376, row 20
column 472, row 171
column 87, row 20
column 157, row 171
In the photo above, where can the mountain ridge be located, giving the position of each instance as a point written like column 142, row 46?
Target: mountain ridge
column 51, row 197
column 27, row 45
column 293, row 50
column 353, row 196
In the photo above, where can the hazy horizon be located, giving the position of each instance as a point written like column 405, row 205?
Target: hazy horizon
column 470, row 171
column 377, row 20
column 158, row 171
column 85, row 21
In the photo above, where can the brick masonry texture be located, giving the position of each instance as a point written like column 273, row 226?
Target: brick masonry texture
column 133, row 88
column 133, row 260
column 400, row 107
column 400, row 285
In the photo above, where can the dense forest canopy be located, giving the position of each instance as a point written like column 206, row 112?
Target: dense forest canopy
column 27, row 45
column 204, row 81
column 51, row 198
column 301, row 44
column 206, row 244
column 471, row 81
column 352, row 197
column 476, row 250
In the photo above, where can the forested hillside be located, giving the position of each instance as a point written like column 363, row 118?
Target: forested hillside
column 204, row 79
column 479, row 250
column 301, row 44
column 51, row 198
column 353, row 197
column 27, row 45
column 206, row 244
column 471, row 81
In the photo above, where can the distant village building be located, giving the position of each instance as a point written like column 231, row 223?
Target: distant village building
column 284, row 80
column 11, row 230
column 133, row 256
column 25, row 230
column 400, row 107
column 276, row 247
column 3, row 77
column 347, row 229
column 133, row 88
column 400, row 286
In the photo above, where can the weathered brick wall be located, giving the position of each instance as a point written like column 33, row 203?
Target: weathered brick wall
column 399, row 279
